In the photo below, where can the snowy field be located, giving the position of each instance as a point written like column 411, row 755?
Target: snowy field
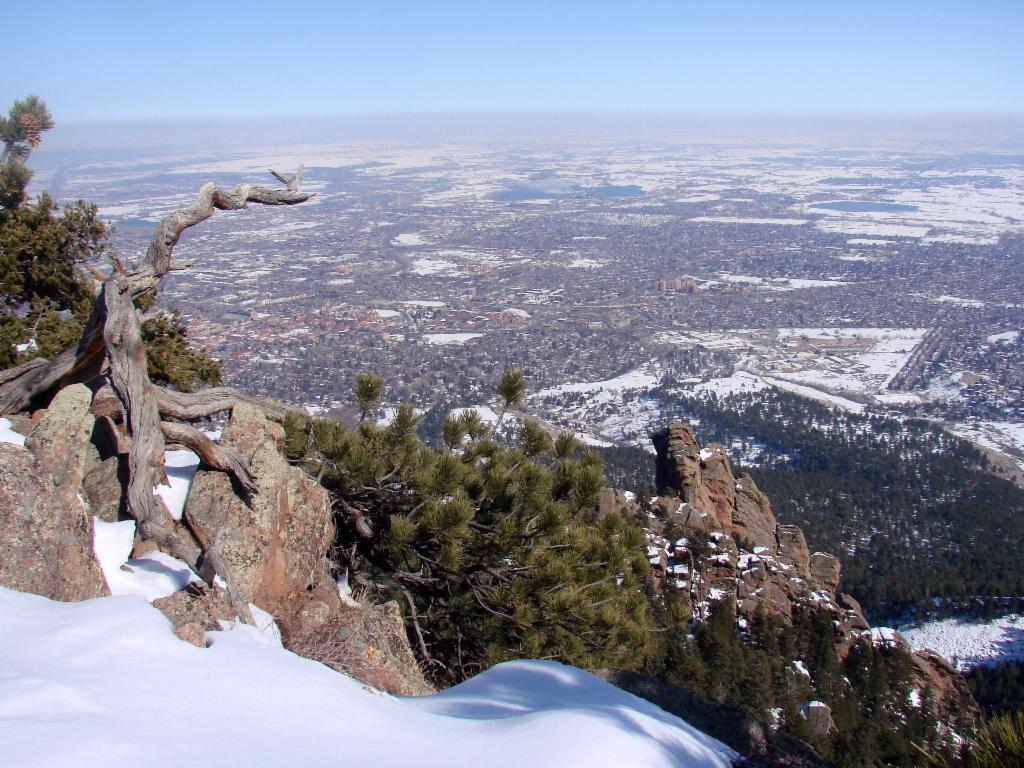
column 106, row 683
column 971, row 643
column 639, row 379
column 450, row 338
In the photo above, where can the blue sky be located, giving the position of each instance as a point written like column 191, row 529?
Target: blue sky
column 146, row 60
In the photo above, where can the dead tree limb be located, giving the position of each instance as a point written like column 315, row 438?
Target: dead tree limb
column 32, row 386
column 211, row 455
column 130, row 381
column 189, row 406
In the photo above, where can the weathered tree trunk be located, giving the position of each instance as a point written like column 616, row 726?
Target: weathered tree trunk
column 113, row 335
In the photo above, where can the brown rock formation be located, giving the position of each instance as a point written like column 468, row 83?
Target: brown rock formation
column 752, row 517
column 274, row 545
column 950, row 694
column 45, row 532
column 678, row 465
column 825, row 571
column 793, row 549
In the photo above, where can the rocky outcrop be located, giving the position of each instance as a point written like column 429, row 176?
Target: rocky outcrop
column 61, row 440
column 825, row 571
column 752, row 518
column 950, row 694
column 46, row 529
column 792, row 548
column 763, row 566
column 194, row 611
column 274, row 543
column 818, row 715
column 677, row 472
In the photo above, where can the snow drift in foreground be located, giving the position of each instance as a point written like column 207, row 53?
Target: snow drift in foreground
column 105, row 682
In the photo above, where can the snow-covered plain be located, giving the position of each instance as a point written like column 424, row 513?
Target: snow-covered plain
column 105, row 682
column 971, row 643
column 450, row 338
column 640, row 379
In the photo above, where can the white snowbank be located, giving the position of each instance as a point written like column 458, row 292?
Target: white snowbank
column 970, row 643
column 181, row 468
column 105, row 682
column 8, row 435
column 151, row 576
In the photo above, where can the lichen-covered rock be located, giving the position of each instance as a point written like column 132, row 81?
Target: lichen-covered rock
column 274, row 545
column 46, row 530
column 103, row 488
column 61, row 440
column 194, row 611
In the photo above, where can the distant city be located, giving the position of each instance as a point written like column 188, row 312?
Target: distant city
column 883, row 278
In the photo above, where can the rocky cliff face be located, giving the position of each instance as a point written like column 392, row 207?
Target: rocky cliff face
column 760, row 564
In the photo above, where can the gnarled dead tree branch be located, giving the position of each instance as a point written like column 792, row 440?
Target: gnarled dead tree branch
column 210, row 454
column 113, row 335
column 189, row 406
column 33, row 385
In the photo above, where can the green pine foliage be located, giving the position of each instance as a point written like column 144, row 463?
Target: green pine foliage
column 497, row 547
column 496, row 552
column 170, row 359
column 44, row 298
column 999, row 689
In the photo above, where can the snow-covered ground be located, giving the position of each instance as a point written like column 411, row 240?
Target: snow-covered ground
column 746, row 220
column 181, row 467
column 971, row 643
column 450, row 338
column 105, row 682
column 8, row 435
column 639, row 379
column 151, row 576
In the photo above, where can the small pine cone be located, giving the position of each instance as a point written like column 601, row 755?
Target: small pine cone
column 30, row 128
